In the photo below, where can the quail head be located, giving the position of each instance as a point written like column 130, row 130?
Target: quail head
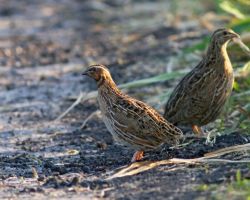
column 131, row 122
column 199, row 97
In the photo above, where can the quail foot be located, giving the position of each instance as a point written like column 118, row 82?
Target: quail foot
column 131, row 122
column 199, row 97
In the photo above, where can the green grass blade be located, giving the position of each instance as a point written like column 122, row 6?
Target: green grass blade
column 241, row 25
column 155, row 79
column 231, row 8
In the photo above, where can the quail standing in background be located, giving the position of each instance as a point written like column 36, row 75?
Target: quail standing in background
column 131, row 122
column 199, row 97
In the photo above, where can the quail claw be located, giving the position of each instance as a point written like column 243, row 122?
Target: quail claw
column 138, row 155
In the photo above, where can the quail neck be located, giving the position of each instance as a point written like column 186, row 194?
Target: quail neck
column 108, row 92
column 217, row 57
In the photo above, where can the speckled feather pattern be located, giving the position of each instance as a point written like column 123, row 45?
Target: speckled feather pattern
column 200, row 96
column 131, row 122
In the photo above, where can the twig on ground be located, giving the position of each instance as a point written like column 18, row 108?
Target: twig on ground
column 134, row 169
column 226, row 150
column 139, row 167
column 183, row 144
column 81, row 98
column 97, row 112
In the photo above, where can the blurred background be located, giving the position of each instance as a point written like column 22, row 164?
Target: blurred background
column 147, row 45
column 44, row 45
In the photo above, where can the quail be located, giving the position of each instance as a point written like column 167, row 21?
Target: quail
column 131, row 122
column 199, row 97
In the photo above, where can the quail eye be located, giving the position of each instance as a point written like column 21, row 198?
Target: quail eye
column 224, row 33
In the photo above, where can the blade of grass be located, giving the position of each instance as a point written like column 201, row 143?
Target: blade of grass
column 231, row 8
column 240, row 25
column 155, row 79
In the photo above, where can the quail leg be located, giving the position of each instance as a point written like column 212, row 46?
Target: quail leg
column 138, row 155
column 197, row 130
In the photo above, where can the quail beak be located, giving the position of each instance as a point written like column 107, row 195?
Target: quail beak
column 233, row 34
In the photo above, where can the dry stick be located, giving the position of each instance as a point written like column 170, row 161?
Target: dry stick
column 220, row 152
column 216, row 160
column 136, row 168
column 242, row 45
column 97, row 112
column 133, row 170
column 139, row 167
column 81, row 98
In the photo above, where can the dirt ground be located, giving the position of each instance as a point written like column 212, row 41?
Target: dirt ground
column 44, row 47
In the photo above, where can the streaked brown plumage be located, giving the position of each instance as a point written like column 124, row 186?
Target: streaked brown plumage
column 200, row 96
column 131, row 122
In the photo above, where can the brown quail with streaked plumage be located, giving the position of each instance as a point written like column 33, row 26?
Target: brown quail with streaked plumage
column 131, row 122
column 200, row 96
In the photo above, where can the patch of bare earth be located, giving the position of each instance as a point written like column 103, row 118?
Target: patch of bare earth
column 44, row 47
